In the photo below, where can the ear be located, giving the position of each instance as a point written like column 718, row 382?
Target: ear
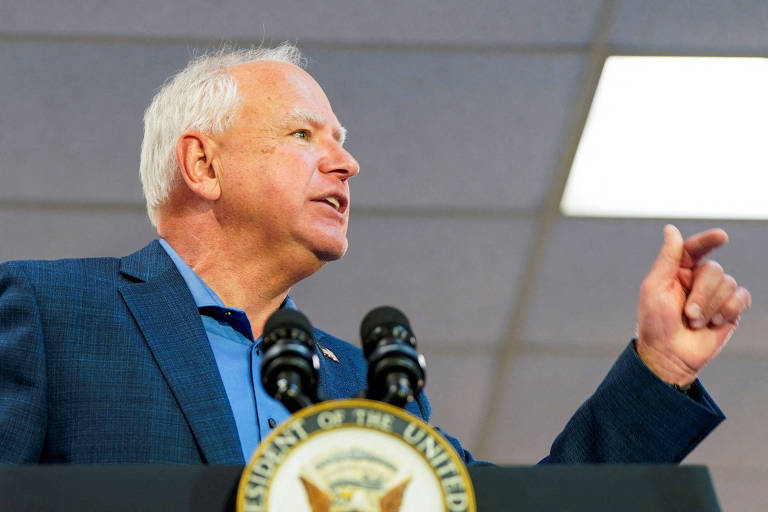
column 197, row 157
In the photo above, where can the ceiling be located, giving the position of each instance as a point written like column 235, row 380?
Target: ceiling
column 465, row 121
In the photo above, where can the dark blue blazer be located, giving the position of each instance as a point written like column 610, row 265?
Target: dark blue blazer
column 106, row 360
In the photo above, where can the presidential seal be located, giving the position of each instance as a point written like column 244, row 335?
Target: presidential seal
column 355, row 456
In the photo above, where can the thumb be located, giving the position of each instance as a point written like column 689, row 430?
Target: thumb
column 670, row 255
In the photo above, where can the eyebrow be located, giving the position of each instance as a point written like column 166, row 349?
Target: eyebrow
column 316, row 120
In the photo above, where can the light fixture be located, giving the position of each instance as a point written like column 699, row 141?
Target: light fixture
column 674, row 137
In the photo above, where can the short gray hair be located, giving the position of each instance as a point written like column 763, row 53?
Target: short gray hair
column 203, row 96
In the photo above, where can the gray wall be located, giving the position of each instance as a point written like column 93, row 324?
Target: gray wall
column 465, row 117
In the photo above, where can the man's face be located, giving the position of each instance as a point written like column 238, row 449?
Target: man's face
column 285, row 173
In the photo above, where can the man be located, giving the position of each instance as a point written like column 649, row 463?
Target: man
column 154, row 357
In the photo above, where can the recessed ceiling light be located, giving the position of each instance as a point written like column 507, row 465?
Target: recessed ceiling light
column 674, row 137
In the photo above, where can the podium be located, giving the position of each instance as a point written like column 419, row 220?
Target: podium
column 571, row 488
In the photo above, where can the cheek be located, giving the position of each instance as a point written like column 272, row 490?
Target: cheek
column 293, row 173
column 268, row 149
column 274, row 175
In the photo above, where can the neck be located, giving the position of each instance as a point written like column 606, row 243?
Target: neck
column 244, row 274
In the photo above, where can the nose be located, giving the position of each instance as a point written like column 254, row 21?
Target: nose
column 340, row 162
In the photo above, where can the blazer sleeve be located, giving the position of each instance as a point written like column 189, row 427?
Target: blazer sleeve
column 22, row 369
column 635, row 417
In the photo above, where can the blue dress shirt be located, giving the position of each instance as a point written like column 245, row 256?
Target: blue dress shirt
column 238, row 357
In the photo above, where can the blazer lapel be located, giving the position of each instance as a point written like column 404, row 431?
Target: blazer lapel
column 336, row 380
column 165, row 311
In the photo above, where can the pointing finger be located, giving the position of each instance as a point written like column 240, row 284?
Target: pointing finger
column 668, row 261
column 701, row 244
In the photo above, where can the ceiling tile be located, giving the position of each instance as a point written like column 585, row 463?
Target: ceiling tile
column 456, row 386
column 50, row 234
column 451, row 129
column 542, row 391
column 470, row 142
column 522, row 22
column 739, row 386
column 715, row 26
column 454, row 278
column 587, row 288
column 72, row 117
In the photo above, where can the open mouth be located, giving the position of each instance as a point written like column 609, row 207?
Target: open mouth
column 333, row 202
column 337, row 203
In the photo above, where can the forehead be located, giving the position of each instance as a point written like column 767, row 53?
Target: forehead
column 281, row 88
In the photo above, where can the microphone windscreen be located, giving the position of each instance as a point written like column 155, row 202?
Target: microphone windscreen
column 385, row 316
column 289, row 319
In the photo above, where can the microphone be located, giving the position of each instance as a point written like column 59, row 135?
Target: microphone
column 289, row 364
column 396, row 371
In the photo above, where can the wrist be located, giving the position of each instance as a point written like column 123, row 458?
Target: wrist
column 666, row 368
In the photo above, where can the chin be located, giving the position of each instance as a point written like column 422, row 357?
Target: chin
column 325, row 244
column 331, row 254
column 331, row 251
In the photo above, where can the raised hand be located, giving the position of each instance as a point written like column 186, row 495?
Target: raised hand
column 688, row 307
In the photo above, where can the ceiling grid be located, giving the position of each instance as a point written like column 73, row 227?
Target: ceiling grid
column 466, row 118
column 548, row 215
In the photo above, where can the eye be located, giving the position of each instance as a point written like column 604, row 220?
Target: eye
column 301, row 134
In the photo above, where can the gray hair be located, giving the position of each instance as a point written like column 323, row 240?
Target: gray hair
column 203, row 96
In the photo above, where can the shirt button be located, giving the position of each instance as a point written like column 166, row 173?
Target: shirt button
column 271, row 422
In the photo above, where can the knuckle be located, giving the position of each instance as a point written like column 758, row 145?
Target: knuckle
column 730, row 283
column 731, row 310
column 745, row 296
column 736, row 304
column 708, row 270
column 713, row 267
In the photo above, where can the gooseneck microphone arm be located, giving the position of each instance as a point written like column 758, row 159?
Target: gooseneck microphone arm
column 289, row 363
column 396, row 371
column 289, row 392
column 398, row 389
